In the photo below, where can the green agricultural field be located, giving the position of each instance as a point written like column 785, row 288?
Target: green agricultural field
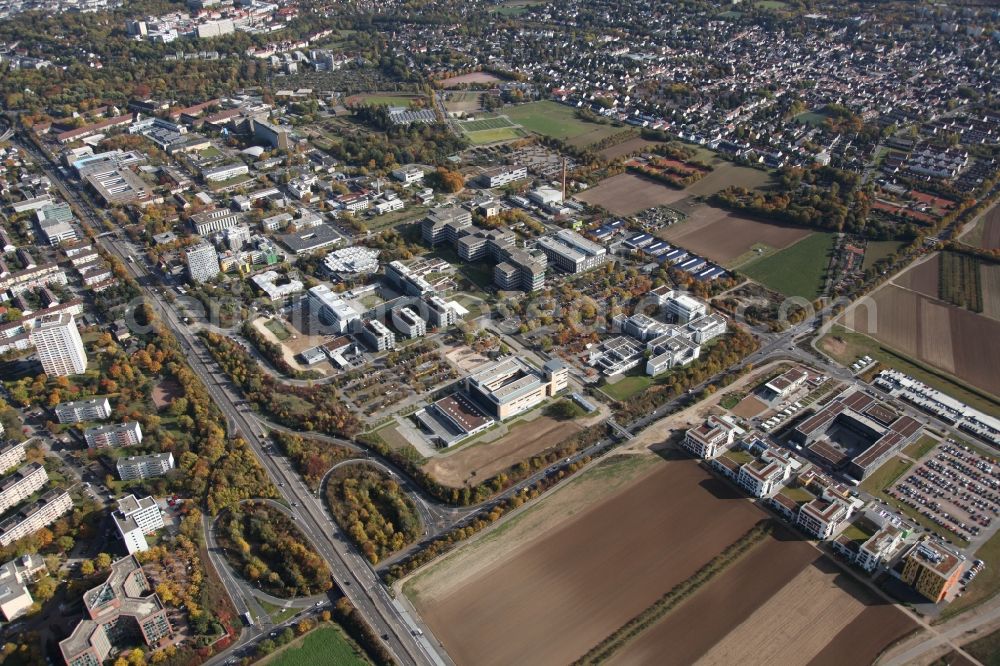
column 324, row 645
column 560, row 122
column 797, row 270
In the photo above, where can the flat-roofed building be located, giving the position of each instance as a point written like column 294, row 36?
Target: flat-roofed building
column 208, row 222
column 202, row 262
column 120, row 611
column 144, row 467
column 439, row 313
column 11, row 453
column 453, row 418
column 224, row 172
column 502, row 175
column 135, row 519
column 879, row 548
column 443, row 225
column 510, row 386
column 932, row 569
column 59, row 346
column 669, row 351
column 762, row 476
column 408, row 175
column 408, row 322
column 28, row 520
column 90, row 409
column 710, row 438
column 114, row 435
column 275, row 136
column 821, row 518
column 311, row 239
column 377, row 335
column 704, row 329
column 55, row 222
column 15, row 599
column 784, row 384
column 571, row 252
column 21, row 485
column 119, row 186
column 331, row 309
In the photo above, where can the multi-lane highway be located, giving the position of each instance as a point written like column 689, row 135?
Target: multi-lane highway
column 353, row 574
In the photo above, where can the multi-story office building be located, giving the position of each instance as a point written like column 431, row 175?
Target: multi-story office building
column 30, row 519
column 820, row 518
column 438, row 312
column 202, row 261
column 144, row 467
column 710, row 438
column 503, row 175
column 116, row 435
column 444, row 225
column 400, row 276
column 510, row 386
column 120, row 612
column 21, row 485
column 224, row 172
column 91, row 409
column 879, row 548
column 331, row 309
column 59, row 346
column 209, row 221
column 678, row 306
column 571, row 252
column 135, row 518
column 932, row 569
column 408, row 322
column 273, row 135
column 377, row 335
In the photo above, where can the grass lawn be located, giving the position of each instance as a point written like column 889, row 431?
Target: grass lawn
column 921, row 447
column 627, row 386
column 559, row 121
column 210, row 152
column 856, row 345
column 877, row 250
column 482, row 137
column 730, row 400
column 277, row 613
column 986, row 649
column 987, row 582
column 811, row 118
column 770, row 4
column 326, row 644
column 800, row 495
column 739, row 456
column 854, row 532
column 278, row 329
column 485, row 124
column 388, row 100
column 797, row 270
column 885, row 475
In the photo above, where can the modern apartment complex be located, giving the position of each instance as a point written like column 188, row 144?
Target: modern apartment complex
column 15, row 599
column 32, row 518
column 121, row 612
column 59, row 346
column 116, row 435
column 710, row 438
column 91, row 409
column 21, row 485
column 11, row 454
column 144, row 467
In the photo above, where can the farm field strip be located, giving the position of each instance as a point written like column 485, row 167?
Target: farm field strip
column 797, row 270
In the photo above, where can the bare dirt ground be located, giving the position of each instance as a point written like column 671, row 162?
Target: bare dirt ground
column 990, row 274
column 748, row 407
column 724, row 237
column 290, row 347
column 950, row 338
column 480, row 461
column 465, row 358
column 474, row 77
column 464, row 102
column 693, row 628
column 165, row 391
column 626, row 147
column 570, row 582
column 627, row 194
column 795, row 625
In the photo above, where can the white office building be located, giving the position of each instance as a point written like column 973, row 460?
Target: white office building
column 136, row 518
column 331, row 309
column 203, row 262
column 60, row 349
column 15, row 600
column 377, row 335
column 408, row 322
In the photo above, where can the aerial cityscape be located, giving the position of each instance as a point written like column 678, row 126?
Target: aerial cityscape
column 499, row 332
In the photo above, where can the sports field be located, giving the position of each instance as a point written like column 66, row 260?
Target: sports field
column 382, row 99
column 490, row 130
column 560, row 122
column 797, row 270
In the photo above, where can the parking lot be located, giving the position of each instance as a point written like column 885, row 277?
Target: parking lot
column 954, row 487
